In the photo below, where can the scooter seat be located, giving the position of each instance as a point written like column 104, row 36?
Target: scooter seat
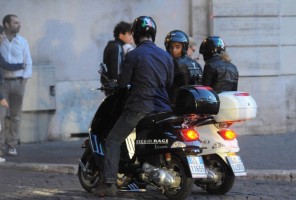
column 154, row 118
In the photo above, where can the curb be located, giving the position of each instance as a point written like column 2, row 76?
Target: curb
column 276, row 175
column 56, row 168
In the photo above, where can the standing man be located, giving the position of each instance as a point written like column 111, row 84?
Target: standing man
column 7, row 66
column 149, row 70
column 114, row 52
column 14, row 49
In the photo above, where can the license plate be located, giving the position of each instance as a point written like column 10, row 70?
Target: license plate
column 197, row 167
column 237, row 165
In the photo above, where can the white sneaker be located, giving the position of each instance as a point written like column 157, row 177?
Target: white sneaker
column 12, row 151
column 2, row 159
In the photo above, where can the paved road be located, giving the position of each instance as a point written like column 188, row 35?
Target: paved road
column 259, row 152
column 269, row 159
column 20, row 184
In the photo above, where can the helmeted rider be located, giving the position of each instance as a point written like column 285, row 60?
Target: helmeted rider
column 219, row 73
column 150, row 71
column 187, row 70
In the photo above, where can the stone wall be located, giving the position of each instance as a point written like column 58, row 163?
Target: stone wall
column 70, row 36
column 260, row 39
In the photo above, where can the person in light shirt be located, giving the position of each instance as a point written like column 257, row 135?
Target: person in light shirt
column 14, row 49
column 191, row 48
column 7, row 66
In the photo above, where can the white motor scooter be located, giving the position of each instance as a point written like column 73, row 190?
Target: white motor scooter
column 220, row 146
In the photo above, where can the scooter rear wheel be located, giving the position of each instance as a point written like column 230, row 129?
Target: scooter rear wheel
column 225, row 179
column 187, row 182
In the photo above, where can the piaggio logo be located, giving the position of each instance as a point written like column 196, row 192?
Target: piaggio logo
column 153, row 141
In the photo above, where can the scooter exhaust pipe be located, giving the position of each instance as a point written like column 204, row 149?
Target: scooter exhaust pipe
column 211, row 177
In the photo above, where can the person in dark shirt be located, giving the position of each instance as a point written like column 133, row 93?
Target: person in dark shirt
column 149, row 70
column 219, row 73
column 113, row 52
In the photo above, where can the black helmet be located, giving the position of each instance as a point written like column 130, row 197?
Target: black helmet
column 211, row 46
column 143, row 26
column 177, row 36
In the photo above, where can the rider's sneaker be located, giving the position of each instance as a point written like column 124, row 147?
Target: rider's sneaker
column 133, row 186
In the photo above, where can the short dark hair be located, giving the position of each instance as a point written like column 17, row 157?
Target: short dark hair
column 121, row 27
column 7, row 19
column 1, row 29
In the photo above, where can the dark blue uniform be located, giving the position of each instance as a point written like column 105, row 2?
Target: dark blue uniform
column 150, row 71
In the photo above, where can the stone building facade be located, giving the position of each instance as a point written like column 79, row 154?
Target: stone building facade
column 67, row 38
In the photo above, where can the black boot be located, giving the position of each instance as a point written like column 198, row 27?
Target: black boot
column 106, row 189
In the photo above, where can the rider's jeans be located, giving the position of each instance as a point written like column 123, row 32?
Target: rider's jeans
column 122, row 128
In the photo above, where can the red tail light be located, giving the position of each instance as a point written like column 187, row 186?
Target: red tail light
column 189, row 135
column 227, row 134
column 242, row 94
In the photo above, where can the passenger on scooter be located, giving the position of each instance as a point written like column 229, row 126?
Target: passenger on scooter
column 219, row 73
column 149, row 70
column 187, row 70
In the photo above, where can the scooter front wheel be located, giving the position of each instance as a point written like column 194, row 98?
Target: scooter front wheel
column 88, row 172
column 225, row 179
